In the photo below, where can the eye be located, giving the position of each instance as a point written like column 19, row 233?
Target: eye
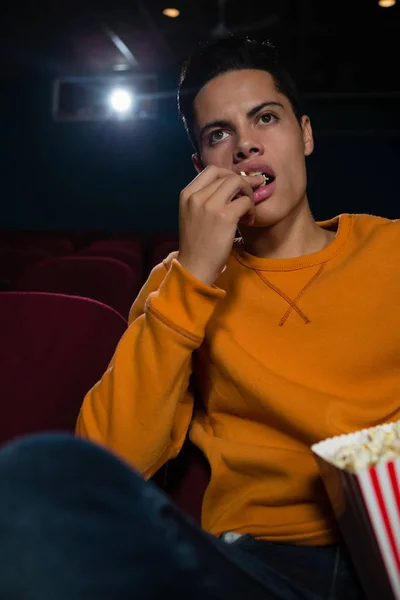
column 216, row 136
column 267, row 118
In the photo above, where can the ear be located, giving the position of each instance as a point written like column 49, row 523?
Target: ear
column 197, row 162
column 308, row 138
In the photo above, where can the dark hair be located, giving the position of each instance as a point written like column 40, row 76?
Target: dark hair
column 231, row 54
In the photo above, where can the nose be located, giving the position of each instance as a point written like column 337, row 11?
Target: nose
column 246, row 146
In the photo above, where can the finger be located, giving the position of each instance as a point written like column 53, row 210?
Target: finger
column 206, row 193
column 231, row 188
column 247, row 221
column 240, row 207
column 218, row 187
column 209, row 175
column 254, row 181
column 221, row 191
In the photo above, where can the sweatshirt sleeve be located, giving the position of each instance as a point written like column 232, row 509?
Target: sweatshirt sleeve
column 142, row 407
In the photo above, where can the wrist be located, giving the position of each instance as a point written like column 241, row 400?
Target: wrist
column 197, row 271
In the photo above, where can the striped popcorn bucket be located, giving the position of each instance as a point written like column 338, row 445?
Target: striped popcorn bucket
column 367, row 508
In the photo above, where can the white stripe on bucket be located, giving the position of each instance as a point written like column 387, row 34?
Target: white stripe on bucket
column 379, row 527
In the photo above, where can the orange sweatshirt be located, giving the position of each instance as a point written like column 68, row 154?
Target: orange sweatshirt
column 284, row 352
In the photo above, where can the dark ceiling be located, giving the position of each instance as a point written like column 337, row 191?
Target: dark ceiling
column 331, row 45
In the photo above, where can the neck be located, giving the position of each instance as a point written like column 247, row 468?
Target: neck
column 296, row 235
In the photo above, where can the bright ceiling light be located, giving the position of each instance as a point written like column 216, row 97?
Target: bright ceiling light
column 171, row 12
column 386, row 3
column 121, row 100
column 121, row 67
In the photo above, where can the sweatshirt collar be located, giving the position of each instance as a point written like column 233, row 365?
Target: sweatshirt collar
column 342, row 223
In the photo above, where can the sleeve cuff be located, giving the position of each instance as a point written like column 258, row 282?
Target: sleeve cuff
column 184, row 303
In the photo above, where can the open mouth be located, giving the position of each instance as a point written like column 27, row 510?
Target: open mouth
column 267, row 177
column 266, row 189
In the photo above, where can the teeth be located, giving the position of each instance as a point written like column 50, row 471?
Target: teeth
column 267, row 178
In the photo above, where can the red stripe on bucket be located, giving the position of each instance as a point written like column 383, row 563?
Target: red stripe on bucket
column 385, row 516
column 395, row 484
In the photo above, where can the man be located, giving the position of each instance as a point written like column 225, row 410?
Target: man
column 288, row 335
column 280, row 331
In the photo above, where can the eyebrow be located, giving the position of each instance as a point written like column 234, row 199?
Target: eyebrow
column 222, row 123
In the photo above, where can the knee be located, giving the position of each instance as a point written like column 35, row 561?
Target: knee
column 73, row 516
column 61, row 461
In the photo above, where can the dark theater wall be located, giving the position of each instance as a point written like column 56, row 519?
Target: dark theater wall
column 128, row 176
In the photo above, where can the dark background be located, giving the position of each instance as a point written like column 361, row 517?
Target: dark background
column 128, row 175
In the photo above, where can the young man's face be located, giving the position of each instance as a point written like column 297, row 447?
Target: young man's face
column 245, row 124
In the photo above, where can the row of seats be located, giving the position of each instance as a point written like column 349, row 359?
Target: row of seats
column 150, row 248
column 107, row 280
column 53, row 349
column 25, row 250
column 110, row 271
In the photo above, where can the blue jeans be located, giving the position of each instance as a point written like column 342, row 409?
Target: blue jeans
column 78, row 524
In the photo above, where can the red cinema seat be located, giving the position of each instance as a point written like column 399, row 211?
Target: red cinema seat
column 14, row 262
column 132, row 259
column 161, row 248
column 56, row 246
column 53, row 349
column 133, row 247
column 104, row 279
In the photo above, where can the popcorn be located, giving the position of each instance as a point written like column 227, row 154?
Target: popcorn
column 377, row 446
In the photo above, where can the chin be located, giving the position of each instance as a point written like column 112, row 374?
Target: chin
column 270, row 213
column 276, row 209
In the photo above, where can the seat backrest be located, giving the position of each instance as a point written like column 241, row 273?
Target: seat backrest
column 133, row 259
column 82, row 239
column 55, row 246
column 53, row 349
column 160, row 250
column 14, row 262
column 104, row 279
column 131, row 246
